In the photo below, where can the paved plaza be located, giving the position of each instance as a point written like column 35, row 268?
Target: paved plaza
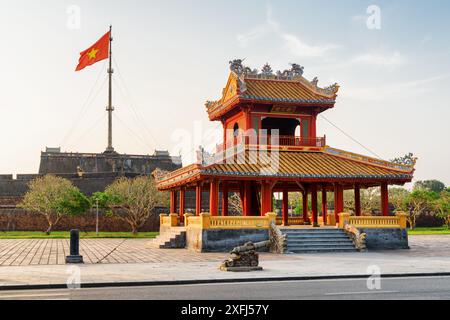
column 41, row 262
column 107, row 251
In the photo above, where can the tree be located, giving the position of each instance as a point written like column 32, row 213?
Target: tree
column 370, row 200
column 442, row 206
column 398, row 197
column 431, row 185
column 54, row 197
column 234, row 204
column 295, row 201
column 135, row 197
column 418, row 202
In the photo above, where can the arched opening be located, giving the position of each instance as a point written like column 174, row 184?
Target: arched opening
column 236, row 130
column 285, row 126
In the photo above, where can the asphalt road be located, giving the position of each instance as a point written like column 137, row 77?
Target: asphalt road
column 389, row 288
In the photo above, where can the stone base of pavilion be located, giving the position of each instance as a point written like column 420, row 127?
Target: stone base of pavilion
column 206, row 233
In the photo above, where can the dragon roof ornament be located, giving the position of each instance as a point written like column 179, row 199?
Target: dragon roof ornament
column 295, row 73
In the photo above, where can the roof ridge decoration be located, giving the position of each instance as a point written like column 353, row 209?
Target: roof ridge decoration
column 295, row 73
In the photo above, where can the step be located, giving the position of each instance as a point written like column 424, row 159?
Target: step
column 320, row 250
column 310, row 236
column 319, row 241
column 169, row 239
column 312, row 229
column 329, row 248
column 313, row 232
column 331, row 231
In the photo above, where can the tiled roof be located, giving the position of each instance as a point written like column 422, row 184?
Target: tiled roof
column 289, row 164
column 282, row 91
column 303, row 165
column 271, row 89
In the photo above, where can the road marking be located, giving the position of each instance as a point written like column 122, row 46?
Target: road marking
column 362, row 292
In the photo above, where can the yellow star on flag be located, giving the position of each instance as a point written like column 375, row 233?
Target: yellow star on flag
column 93, row 53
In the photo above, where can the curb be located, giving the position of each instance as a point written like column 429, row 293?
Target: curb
column 212, row 281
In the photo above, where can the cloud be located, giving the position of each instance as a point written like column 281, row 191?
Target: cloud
column 383, row 60
column 393, row 90
column 294, row 44
column 301, row 49
column 359, row 19
column 245, row 38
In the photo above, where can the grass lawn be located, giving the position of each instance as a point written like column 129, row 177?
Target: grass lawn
column 429, row 231
column 66, row 235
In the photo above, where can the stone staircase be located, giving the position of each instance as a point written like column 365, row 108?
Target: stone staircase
column 172, row 239
column 317, row 240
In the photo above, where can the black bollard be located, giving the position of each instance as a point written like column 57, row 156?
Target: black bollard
column 74, row 248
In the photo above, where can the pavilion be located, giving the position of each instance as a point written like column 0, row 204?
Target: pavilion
column 270, row 144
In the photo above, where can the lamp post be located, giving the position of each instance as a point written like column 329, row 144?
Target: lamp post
column 96, row 220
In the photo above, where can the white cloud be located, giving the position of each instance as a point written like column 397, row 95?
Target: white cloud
column 245, row 38
column 398, row 90
column 384, row 60
column 301, row 49
column 359, row 19
column 294, row 44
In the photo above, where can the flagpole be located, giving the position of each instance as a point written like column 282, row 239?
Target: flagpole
column 110, row 107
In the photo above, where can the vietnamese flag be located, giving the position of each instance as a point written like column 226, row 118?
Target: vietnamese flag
column 97, row 52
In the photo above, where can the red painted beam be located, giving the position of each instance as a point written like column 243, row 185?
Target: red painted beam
column 285, row 207
column 198, row 199
column 314, row 209
column 305, row 204
column 173, row 207
column 324, row 204
column 213, row 197
column 224, row 198
column 182, row 201
column 384, row 199
column 357, row 200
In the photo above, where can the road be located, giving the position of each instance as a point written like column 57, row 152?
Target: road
column 391, row 288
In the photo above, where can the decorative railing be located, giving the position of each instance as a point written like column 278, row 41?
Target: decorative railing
column 294, row 141
column 276, row 141
column 206, row 221
column 393, row 222
column 171, row 220
column 291, row 221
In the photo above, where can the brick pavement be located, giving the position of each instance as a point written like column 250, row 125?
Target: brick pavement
column 111, row 251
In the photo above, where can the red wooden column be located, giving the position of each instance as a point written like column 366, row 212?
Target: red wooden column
column 384, row 199
column 182, row 193
column 338, row 201
column 357, row 200
column 314, row 209
column 285, row 207
column 324, row 204
column 305, row 205
column 224, row 198
column 198, row 199
column 213, row 197
column 246, row 198
column 266, row 198
column 173, row 197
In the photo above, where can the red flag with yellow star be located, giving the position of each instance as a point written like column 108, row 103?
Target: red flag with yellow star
column 98, row 52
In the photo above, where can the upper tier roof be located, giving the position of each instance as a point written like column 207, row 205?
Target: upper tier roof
column 287, row 87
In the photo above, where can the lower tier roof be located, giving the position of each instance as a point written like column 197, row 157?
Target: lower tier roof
column 326, row 165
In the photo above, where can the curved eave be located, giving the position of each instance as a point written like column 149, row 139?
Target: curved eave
column 222, row 109
column 206, row 174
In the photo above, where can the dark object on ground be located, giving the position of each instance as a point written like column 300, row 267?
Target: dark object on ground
column 244, row 258
column 74, row 248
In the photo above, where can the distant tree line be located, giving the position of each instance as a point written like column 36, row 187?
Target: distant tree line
column 429, row 197
column 131, row 200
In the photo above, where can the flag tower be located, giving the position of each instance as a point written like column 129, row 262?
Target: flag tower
column 110, row 108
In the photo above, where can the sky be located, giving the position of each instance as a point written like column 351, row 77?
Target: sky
column 391, row 59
